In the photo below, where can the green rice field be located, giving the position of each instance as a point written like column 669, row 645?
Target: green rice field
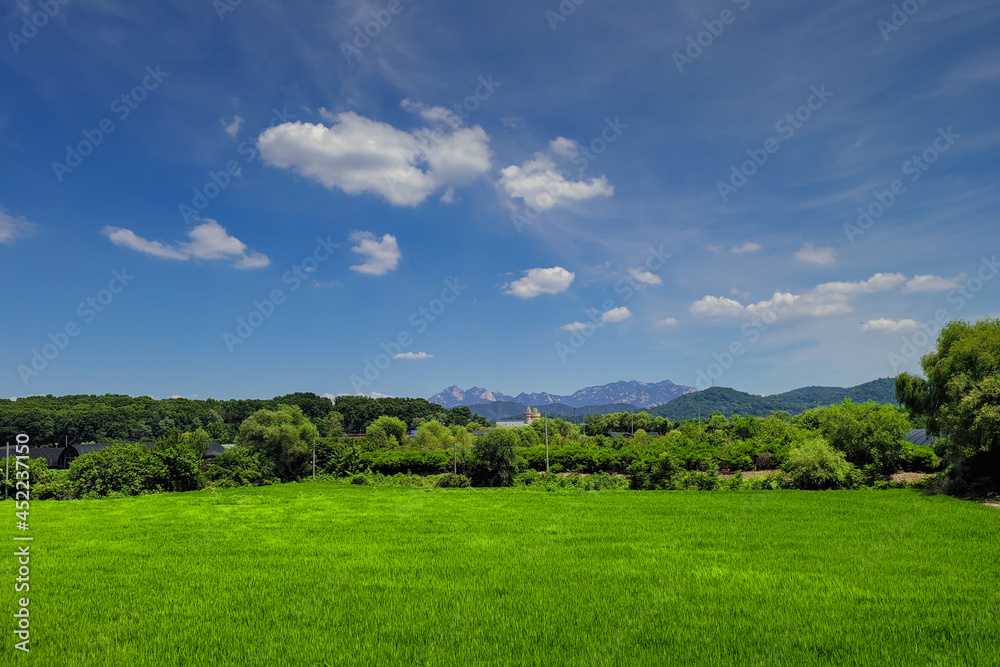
column 329, row 574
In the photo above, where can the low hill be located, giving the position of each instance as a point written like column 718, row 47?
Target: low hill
column 730, row 402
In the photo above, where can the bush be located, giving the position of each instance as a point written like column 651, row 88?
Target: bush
column 656, row 474
column 238, row 466
column 125, row 469
column 360, row 479
column 923, row 459
column 817, row 465
column 452, row 481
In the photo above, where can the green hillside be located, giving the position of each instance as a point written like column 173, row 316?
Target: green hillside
column 730, row 402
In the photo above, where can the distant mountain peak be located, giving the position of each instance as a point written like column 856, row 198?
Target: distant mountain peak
column 640, row 394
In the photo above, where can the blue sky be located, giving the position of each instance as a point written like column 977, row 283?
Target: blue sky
column 509, row 195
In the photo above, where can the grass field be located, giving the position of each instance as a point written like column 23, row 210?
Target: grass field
column 327, row 574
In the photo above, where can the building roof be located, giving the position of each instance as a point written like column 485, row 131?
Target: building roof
column 920, row 438
column 214, row 449
column 54, row 456
column 80, row 450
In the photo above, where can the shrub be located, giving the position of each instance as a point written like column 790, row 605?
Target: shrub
column 238, row 466
column 656, row 474
column 125, row 469
column 817, row 465
column 923, row 459
column 360, row 479
column 452, row 481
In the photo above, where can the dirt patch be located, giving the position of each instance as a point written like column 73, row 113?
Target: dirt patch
column 909, row 476
column 997, row 505
column 747, row 474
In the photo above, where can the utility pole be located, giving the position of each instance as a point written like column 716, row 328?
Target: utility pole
column 546, row 443
column 314, row 461
column 6, row 472
column 454, row 460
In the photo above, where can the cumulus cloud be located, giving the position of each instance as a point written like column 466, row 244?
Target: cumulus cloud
column 933, row 283
column 209, row 241
column 13, row 228
column 810, row 254
column 716, row 306
column 616, row 315
column 612, row 316
column 232, row 127
column 540, row 183
column 891, row 326
column 541, row 281
column 381, row 255
column 359, row 155
column 645, row 277
column 667, row 322
column 827, row 299
column 413, row 355
column 749, row 246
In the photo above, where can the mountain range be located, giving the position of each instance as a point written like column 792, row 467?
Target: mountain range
column 730, row 402
column 635, row 393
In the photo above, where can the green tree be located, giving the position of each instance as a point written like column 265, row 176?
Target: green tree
column 869, row 434
column 386, row 431
column 432, row 435
column 960, row 396
column 494, row 462
column 284, row 436
column 815, row 465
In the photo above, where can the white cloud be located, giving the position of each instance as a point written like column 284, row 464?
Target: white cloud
column 13, row 228
column 667, row 322
column 891, row 326
column 616, row 315
column 358, row 155
column 933, row 283
column 564, row 147
column 232, row 128
column 577, row 326
column 827, row 299
column 810, row 254
column 716, row 306
column 541, row 184
column 209, row 241
column 541, row 281
column 749, row 246
column 413, row 355
column 645, row 277
column 381, row 256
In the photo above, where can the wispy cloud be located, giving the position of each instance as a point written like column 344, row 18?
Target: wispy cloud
column 209, row 241
column 541, row 281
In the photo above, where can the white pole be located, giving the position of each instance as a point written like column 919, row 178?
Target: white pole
column 546, row 443
column 6, row 471
column 314, row 461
